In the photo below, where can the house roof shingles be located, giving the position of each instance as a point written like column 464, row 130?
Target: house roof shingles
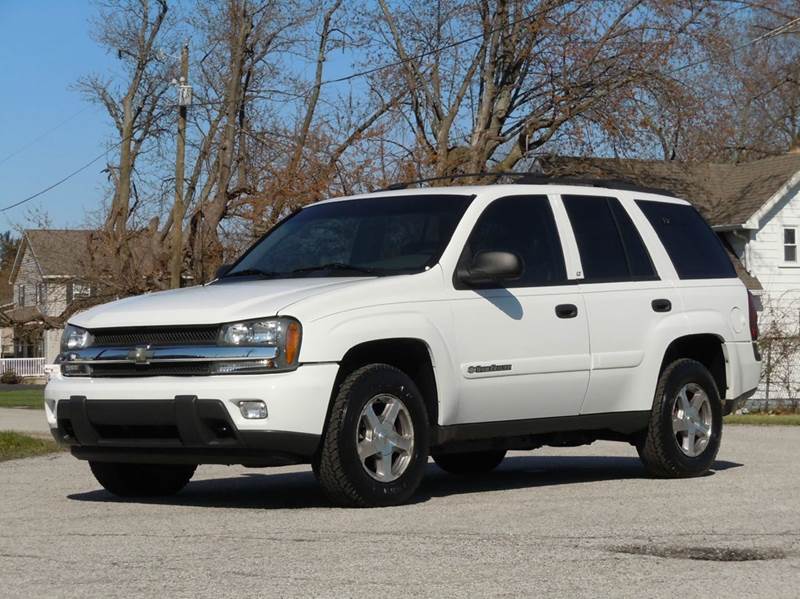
column 726, row 194
column 59, row 252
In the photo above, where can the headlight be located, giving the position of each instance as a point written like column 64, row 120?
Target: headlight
column 75, row 338
column 284, row 334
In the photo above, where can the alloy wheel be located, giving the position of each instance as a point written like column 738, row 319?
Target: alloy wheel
column 385, row 438
column 692, row 420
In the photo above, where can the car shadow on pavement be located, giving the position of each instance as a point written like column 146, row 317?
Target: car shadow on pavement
column 520, row 472
column 293, row 490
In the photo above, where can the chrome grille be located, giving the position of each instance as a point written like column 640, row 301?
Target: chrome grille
column 169, row 369
column 155, row 336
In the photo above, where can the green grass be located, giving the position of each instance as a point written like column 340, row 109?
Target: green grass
column 764, row 419
column 16, row 445
column 22, row 398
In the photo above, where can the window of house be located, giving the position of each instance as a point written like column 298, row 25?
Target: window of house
column 41, row 294
column 523, row 225
column 77, row 290
column 790, row 245
column 21, row 295
column 610, row 246
column 81, row 290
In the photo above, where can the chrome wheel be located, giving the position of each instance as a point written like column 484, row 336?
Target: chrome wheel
column 385, row 438
column 692, row 420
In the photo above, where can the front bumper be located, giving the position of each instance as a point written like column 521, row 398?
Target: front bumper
column 182, row 430
column 192, row 419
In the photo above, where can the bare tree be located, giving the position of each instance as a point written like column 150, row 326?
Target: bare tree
column 138, row 32
column 263, row 162
column 492, row 82
column 134, row 30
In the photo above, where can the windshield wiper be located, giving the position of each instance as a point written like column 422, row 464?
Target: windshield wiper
column 335, row 266
column 251, row 272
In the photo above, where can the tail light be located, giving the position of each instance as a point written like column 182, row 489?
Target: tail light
column 751, row 307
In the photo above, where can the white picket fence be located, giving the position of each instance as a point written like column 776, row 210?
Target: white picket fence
column 24, row 367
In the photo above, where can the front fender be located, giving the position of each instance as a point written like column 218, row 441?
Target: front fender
column 329, row 339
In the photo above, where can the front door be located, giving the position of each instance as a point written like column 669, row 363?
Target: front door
column 522, row 349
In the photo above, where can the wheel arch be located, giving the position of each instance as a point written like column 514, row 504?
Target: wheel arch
column 706, row 348
column 411, row 355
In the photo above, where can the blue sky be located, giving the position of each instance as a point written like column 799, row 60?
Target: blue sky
column 44, row 48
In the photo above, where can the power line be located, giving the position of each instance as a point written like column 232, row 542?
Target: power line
column 43, row 135
column 62, row 180
column 764, row 36
column 769, row 34
column 429, row 52
column 772, row 33
column 401, row 62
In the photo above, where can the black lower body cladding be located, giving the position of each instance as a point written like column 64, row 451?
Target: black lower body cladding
column 183, row 430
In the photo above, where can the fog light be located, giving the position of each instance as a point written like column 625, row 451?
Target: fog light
column 252, row 409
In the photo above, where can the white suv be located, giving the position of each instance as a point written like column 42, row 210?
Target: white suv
column 363, row 334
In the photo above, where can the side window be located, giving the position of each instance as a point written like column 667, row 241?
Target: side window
column 525, row 226
column 790, row 244
column 695, row 250
column 610, row 246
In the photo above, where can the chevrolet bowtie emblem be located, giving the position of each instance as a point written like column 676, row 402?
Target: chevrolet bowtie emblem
column 140, row 355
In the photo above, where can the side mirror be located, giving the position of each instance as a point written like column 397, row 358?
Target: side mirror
column 222, row 270
column 492, row 267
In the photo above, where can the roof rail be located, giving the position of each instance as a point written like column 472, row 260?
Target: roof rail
column 538, row 179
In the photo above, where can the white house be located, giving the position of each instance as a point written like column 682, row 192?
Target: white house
column 47, row 277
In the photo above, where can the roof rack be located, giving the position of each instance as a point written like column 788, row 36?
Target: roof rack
column 538, row 179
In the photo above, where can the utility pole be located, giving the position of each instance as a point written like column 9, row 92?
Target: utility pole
column 178, row 208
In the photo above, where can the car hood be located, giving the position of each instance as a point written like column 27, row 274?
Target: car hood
column 209, row 304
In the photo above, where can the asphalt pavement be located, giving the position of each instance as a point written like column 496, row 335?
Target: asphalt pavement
column 566, row 522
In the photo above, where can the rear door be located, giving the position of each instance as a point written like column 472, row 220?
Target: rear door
column 522, row 350
column 625, row 298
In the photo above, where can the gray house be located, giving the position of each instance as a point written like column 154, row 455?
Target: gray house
column 47, row 277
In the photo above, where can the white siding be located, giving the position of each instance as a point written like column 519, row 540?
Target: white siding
column 50, row 299
column 28, row 276
column 52, row 344
column 56, row 300
column 764, row 259
column 53, row 301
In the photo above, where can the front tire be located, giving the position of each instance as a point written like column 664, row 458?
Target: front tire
column 375, row 446
column 142, row 480
column 474, row 462
column 685, row 429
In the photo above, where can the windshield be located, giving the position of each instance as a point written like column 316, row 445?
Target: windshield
column 370, row 237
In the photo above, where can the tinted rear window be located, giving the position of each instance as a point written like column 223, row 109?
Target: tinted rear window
column 610, row 246
column 695, row 250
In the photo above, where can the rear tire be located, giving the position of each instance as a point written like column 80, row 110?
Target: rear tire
column 375, row 445
column 685, row 429
column 142, row 480
column 474, row 462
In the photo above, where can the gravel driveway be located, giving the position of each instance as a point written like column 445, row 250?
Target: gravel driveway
column 576, row 522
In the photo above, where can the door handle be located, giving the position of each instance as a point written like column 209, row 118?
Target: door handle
column 566, row 310
column 661, row 305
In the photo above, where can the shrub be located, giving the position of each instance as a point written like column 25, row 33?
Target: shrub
column 9, row 377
